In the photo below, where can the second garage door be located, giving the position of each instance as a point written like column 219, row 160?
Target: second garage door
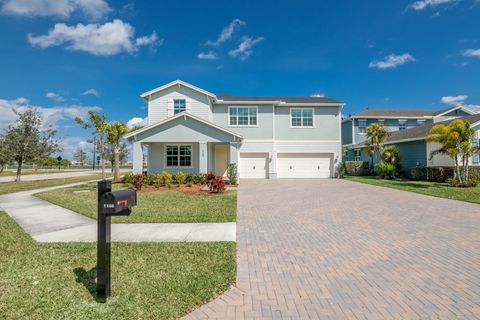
column 253, row 165
column 304, row 165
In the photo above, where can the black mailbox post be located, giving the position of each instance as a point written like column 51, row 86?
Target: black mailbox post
column 116, row 203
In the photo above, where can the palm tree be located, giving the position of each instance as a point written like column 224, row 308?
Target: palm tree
column 115, row 132
column 456, row 141
column 376, row 137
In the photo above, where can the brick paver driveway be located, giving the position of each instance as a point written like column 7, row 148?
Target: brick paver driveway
column 336, row 249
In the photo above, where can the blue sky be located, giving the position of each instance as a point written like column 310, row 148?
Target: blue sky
column 65, row 56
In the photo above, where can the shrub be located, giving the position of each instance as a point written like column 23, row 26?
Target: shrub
column 357, row 168
column 200, row 178
column 471, row 183
column 138, row 181
column 189, row 178
column 342, row 170
column 419, row 173
column 217, row 184
column 149, row 179
column 180, row 177
column 166, row 177
column 434, row 174
column 158, row 180
column 210, row 177
column 128, row 178
column 232, row 173
column 386, row 170
column 190, row 184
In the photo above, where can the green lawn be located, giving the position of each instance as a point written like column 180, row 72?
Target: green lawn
column 9, row 187
column 441, row 190
column 163, row 206
column 149, row 281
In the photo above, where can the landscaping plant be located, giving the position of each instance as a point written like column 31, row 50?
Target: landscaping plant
column 138, row 181
column 149, row 179
column 217, row 184
column 200, row 178
column 128, row 178
column 232, row 173
column 376, row 137
column 166, row 178
column 386, row 170
column 189, row 178
column 180, row 177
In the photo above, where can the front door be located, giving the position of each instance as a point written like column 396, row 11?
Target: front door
column 221, row 160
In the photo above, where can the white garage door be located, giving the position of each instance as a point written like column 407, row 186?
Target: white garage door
column 304, row 165
column 253, row 165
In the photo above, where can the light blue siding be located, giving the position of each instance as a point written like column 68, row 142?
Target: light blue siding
column 347, row 129
column 411, row 154
column 390, row 125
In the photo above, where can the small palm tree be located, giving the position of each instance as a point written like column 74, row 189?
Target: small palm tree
column 456, row 141
column 376, row 137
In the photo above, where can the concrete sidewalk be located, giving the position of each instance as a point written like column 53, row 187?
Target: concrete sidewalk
column 47, row 222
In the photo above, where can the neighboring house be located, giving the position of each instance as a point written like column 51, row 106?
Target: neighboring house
column 414, row 150
column 354, row 127
column 192, row 130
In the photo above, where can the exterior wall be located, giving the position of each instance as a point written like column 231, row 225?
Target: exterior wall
column 263, row 129
column 452, row 115
column 438, row 160
column 411, row 153
column 198, row 104
column 326, row 125
column 347, row 131
column 156, row 159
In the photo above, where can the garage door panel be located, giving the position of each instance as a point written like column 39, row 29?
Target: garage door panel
column 304, row 165
column 253, row 165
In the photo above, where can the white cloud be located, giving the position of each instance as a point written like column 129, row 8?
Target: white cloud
column 475, row 53
column 91, row 91
column 227, row 32
column 70, row 145
column 392, row 61
column 318, row 95
column 136, row 122
column 423, row 4
column 93, row 9
column 453, row 100
column 207, row 56
column 51, row 116
column 244, row 49
column 99, row 39
column 55, row 96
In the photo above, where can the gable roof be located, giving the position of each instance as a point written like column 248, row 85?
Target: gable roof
column 179, row 115
column 277, row 99
column 420, row 133
column 378, row 113
column 174, row 83
column 447, row 110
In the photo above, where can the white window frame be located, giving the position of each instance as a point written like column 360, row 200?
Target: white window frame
column 302, row 126
column 421, row 122
column 177, row 145
column 400, row 122
column 243, row 125
column 357, row 156
column 185, row 104
column 365, row 128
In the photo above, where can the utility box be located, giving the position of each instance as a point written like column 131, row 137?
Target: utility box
column 119, row 203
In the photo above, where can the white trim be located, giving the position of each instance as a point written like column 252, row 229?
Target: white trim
column 270, row 140
column 179, row 83
column 467, row 110
column 281, row 103
column 178, row 115
column 243, row 125
column 165, row 145
column 302, row 126
column 391, row 117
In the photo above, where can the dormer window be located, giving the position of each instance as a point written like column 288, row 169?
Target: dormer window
column 362, row 125
column 179, row 105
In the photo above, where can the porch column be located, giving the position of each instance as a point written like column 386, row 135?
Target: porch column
column 233, row 153
column 137, row 158
column 203, row 157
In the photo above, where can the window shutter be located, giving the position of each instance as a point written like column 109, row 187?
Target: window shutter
column 476, row 155
column 188, row 105
column 169, row 108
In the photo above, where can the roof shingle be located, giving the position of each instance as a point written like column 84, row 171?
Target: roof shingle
column 230, row 97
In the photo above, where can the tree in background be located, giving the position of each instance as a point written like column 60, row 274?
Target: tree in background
column 80, row 156
column 123, row 154
column 27, row 142
column 98, row 123
column 115, row 133
column 456, row 140
column 5, row 154
column 376, row 137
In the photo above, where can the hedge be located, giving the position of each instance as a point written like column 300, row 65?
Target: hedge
column 441, row 174
column 357, row 168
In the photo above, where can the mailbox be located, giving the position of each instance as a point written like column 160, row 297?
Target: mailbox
column 119, row 203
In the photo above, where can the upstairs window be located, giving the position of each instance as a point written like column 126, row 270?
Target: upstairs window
column 179, row 105
column 402, row 125
column 362, row 126
column 242, row 116
column 301, row 118
column 420, row 123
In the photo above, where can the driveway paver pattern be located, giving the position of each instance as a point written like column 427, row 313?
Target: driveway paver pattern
column 335, row 249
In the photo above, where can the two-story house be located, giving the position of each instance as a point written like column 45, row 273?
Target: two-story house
column 193, row 130
column 354, row 127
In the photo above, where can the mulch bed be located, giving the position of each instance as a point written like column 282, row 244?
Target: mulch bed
column 196, row 189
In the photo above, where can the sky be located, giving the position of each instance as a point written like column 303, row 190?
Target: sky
column 68, row 56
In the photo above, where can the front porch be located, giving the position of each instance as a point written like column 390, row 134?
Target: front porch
column 185, row 143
